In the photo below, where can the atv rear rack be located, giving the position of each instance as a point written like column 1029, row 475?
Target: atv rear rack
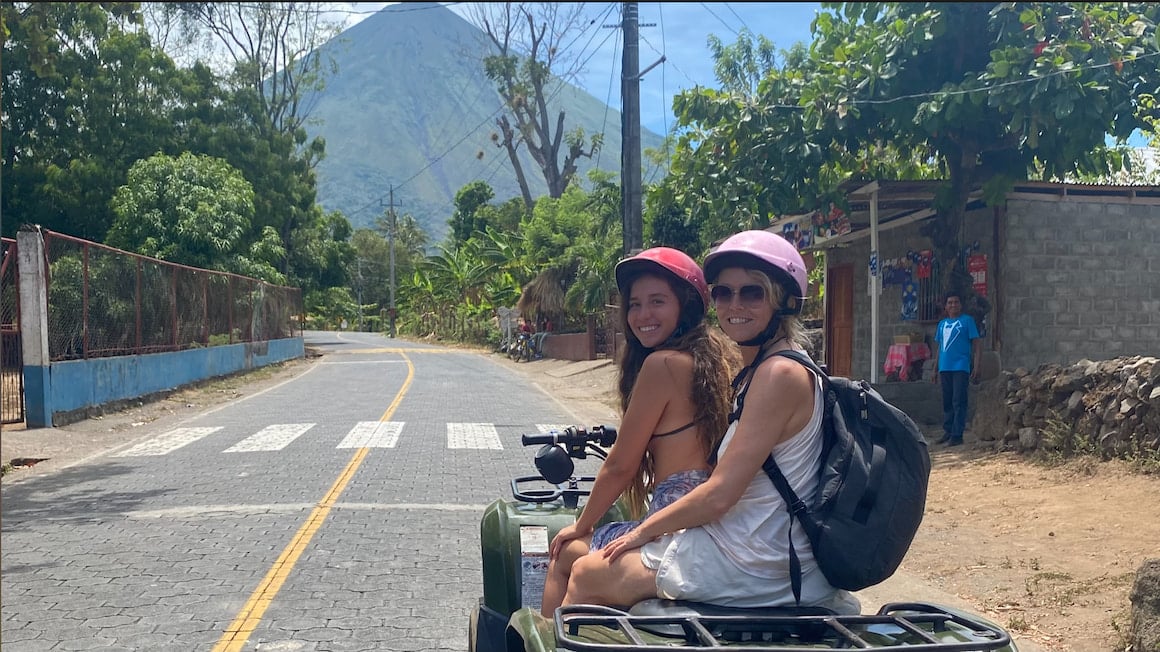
column 917, row 627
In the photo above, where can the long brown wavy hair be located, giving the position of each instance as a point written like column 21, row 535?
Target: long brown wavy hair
column 715, row 361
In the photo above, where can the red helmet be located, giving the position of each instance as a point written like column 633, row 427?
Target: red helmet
column 671, row 260
column 766, row 251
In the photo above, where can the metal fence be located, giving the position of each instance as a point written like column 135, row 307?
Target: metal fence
column 106, row 302
column 11, row 362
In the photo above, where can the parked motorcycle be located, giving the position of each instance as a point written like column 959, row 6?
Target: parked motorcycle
column 514, row 537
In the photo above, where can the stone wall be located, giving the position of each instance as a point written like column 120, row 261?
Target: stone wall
column 1081, row 279
column 1110, row 408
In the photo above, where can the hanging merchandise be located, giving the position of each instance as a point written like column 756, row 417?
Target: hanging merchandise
column 977, row 268
column 909, row 301
column 925, row 257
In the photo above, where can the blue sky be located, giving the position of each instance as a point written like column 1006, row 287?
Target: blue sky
column 680, row 32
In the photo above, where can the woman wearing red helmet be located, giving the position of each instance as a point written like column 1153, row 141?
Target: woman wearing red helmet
column 674, row 393
column 727, row 541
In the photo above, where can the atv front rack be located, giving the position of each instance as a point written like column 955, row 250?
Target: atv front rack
column 916, row 627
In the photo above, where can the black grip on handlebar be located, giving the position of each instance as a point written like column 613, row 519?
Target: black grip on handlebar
column 573, row 437
column 532, row 440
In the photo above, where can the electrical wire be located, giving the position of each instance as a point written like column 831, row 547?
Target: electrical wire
column 743, row 23
column 864, row 102
column 608, row 98
column 665, row 113
column 719, row 19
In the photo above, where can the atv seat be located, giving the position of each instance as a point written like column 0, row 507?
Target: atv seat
column 684, row 609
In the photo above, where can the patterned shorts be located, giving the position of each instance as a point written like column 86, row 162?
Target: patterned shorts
column 665, row 492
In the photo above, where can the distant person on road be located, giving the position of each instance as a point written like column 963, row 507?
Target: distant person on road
column 956, row 359
column 674, row 389
column 728, row 540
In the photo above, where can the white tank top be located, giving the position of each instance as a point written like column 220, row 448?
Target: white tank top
column 753, row 532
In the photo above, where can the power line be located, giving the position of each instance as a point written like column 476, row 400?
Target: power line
column 668, row 60
column 608, row 97
column 719, row 18
column 736, row 16
column 664, row 46
column 356, row 12
column 560, row 86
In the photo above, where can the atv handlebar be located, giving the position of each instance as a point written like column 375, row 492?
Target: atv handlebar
column 554, row 461
column 574, row 437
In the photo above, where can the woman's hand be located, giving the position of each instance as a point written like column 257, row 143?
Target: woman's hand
column 562, row 537
column 623, row 544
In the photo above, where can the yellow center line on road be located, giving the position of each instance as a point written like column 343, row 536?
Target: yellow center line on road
column 398, row 350
column 239, row 631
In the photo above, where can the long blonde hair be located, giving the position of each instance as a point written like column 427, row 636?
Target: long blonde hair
column 715, row 361
column 791, row 327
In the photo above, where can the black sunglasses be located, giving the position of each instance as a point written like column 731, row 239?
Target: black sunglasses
column 747, row 293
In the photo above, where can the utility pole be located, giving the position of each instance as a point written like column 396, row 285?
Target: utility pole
column 360, row 302
column 391, row 312
column 630, row 76
column 630, row 130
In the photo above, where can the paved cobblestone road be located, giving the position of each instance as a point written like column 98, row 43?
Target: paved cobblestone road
column 195, row 541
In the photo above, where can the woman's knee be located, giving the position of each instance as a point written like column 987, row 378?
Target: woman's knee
column 585, row 579
column 621, row 583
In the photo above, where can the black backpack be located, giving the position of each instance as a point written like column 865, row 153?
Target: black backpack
column 872, row 485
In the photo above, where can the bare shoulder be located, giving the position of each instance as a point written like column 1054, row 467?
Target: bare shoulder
column 782, row 377
column 667, row 363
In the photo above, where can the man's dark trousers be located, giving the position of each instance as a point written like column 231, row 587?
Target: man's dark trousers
column 954, row 391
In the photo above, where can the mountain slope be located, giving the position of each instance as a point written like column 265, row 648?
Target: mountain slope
column 411, row 106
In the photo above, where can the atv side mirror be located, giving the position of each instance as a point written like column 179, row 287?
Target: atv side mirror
column 554, row 463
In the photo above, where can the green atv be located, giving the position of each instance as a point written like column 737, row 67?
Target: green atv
column 514, row 538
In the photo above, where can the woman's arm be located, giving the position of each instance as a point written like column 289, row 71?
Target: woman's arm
column 779, row 403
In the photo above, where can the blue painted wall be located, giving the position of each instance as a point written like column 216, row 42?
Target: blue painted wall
column 76, row 384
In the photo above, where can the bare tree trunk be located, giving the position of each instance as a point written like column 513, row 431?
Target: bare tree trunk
column 510, row 143
column 529, row 64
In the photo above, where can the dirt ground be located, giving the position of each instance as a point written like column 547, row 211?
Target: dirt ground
column 1048, row 552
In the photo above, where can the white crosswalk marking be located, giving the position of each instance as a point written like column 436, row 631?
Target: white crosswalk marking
column 373, row 434
column 271, row 438
column 545, row 428
column 167, row 442
column 473, row 435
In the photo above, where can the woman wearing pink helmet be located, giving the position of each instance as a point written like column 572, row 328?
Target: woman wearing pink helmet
column 674, row 393
column 727, row 541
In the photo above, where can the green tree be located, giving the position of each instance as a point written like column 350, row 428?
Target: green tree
column 991, row 91
column 465, row 220
column 191, row 209
column 277, row 66
column 84, row 96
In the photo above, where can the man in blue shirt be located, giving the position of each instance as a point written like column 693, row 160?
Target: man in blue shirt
column 956, row 357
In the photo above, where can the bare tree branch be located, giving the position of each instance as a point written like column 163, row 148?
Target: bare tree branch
column 528, row 66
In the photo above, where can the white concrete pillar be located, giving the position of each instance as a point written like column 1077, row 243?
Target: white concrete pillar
column 34, row 327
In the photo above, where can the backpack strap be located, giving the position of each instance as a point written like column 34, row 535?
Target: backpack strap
column 794, row 505
column 739, row 399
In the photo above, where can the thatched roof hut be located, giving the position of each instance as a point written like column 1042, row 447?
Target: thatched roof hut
column 543, row 296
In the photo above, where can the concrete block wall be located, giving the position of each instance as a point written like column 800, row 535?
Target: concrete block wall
column 895, row 243
column 1082, row 280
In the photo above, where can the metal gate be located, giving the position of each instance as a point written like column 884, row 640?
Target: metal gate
column 11, row 359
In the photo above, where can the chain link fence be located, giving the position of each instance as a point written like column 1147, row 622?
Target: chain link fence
column 107, row 302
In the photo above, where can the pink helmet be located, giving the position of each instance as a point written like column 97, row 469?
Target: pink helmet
column 672, row 260
column 763, row 250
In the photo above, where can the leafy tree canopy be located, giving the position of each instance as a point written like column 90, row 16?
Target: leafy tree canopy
column 988, row 90
column 191, row 209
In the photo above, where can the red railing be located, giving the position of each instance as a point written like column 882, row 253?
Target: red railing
column 104, row 301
